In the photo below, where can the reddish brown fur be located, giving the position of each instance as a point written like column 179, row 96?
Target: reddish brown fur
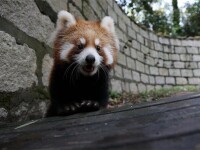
column 90, row 31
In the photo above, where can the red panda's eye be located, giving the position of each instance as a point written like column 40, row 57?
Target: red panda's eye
column 98, row 48
column 80, row 46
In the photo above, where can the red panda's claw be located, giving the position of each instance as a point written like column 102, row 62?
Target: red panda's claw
column 84, row 106
column 64, row 111
column 67, row 108
column 88, row 105
column 78, row 105
column 83, row 103
column 72, row 108
column 96, row 104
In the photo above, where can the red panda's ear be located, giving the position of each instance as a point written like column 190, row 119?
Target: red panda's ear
column 108, row 23
column 65, row 19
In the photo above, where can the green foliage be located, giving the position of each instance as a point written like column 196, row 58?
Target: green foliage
column 175, row 23
column 114, row 95
column 165, row 92
column 176, row 18
column 159, row 22
column 142, row 12
column 192, row 21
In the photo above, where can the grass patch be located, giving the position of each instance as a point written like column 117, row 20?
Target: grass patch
column 117, row 99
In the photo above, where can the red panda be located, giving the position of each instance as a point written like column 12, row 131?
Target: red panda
column 84, row 54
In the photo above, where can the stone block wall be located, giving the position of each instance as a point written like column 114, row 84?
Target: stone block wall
column 146, row 61
column 25, row 59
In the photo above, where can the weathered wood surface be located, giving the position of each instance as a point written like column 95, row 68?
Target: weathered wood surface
column 168, row 124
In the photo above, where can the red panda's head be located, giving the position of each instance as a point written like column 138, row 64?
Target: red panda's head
column 89, row 44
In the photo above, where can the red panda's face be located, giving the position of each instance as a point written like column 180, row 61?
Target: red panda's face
column 88, row 44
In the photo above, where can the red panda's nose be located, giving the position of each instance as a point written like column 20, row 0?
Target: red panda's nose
column 90, row 59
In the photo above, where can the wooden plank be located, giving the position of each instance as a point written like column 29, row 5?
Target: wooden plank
column 119, row 139
column 127, row 129
column 131, row 114
column 144, row 126
column 186, row 142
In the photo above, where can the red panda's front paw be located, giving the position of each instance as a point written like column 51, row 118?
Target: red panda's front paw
column 88, row 105
column 69, row 109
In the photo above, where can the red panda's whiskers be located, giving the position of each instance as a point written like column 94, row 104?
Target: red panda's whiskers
column 98, row 74
column 67, row 70
column 105, row 70
column 72, row 74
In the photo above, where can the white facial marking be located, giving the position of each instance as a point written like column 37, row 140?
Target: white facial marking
column 82, row 40
column 109, row 54
column 108, row 23
column 88, row 51
column 65, row 49
column 97, row 41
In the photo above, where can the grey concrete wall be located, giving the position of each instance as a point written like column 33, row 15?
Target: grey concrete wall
column 146, row 61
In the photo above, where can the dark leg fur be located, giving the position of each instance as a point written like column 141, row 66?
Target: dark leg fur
column 72, row 92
